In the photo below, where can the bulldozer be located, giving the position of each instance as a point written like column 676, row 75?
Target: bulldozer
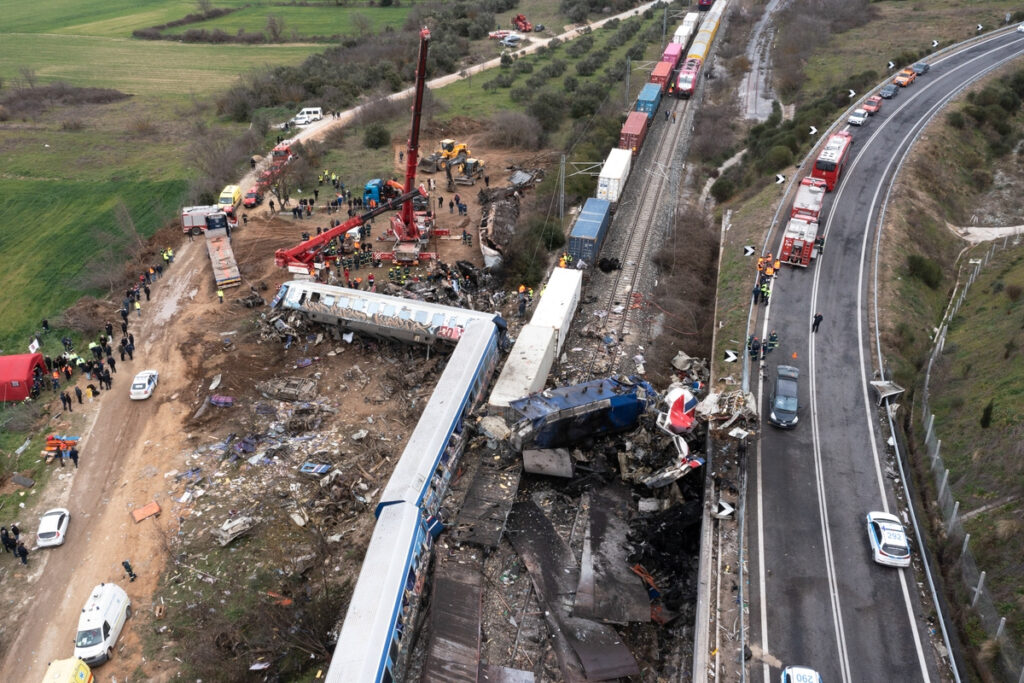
column 463, row 170
column 449, row 149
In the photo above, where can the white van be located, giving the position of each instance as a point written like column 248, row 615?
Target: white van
column 307, row 116
column 100, row 623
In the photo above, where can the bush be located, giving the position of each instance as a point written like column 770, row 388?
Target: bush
column 548, row 107
column 723, row 189
column 569, row 83
column 924, row 269
column 778, row 157
column 376, row 136
column 955, row 119
column 986, row 415
column 514, row 130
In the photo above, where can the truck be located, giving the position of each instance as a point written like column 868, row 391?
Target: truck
column 800, row 241
column 612, row 180
column 648, row 100
column 520, row 23
column 222, row 258
column 193, row 218
column 633, row 132
column 661, row 75
column 589, row 230
column 810, row 195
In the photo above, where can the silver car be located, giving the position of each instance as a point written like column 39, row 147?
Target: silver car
column 53, row 528
column 858, row 118
column 889, row 545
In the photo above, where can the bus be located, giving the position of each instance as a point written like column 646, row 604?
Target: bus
column 833, row 158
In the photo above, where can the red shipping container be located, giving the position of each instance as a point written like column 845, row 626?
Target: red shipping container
column 661, row 74
column 634, row 130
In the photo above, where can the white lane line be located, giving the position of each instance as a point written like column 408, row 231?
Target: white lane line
column 865, row 377
column 766, row 669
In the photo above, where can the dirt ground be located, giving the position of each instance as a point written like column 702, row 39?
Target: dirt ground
column 130, row 449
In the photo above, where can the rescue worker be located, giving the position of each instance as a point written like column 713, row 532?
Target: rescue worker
column 773, row 341
column 760, row 264
column 764, row 293
column 769, row 272
column 777, row 264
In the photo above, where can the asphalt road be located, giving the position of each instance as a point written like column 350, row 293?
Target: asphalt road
column 817, row 598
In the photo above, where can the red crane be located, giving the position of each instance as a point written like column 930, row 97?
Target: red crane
column 403, row 224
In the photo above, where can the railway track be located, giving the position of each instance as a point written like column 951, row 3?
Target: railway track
column 623, row 299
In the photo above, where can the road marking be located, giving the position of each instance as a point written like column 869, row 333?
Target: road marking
column 865, row 377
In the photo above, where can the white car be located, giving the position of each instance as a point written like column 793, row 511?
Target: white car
column 889, row 545
column 53, row 528
column 858, row 118
column 1020, row 28
column 143, row 384
column 800, row 674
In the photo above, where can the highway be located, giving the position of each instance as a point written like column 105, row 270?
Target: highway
column 816, row 597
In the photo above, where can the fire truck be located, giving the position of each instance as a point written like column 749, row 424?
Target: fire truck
column 800, row 240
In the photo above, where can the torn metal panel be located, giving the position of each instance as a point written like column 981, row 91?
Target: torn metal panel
column 722, row 410
column 565, row 415
column 608, row 589
column 586, row 650
column 552, row 462
column 481, row 519
column 453, row 655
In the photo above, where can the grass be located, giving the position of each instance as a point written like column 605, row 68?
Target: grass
column 871, row 46
column 736, row 276
column 315, row 20
column 162, row 70
column 29, row 463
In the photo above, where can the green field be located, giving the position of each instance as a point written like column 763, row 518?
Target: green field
column 172, row 71
column 307, row 21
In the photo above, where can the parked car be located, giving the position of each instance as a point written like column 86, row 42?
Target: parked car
column 144, row 384
column 873, row 104
column 511, row 41
column 499, row 34
column 920, row 68
column 905, row 77
column 858, row 118
column 888, row 91
column 1020, row 28
column 889, row 545
column 800, row 674
column 53, row 528
column 785, row 403
column 254, row 197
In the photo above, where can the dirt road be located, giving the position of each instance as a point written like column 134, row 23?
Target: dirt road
column 126, row 448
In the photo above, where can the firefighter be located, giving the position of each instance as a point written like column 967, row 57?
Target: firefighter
column 771, row 343
column 777, row 265
column 764, row 293
column 769, row 272
column 760, row 264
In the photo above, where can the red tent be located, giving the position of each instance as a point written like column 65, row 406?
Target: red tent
column 16, row 375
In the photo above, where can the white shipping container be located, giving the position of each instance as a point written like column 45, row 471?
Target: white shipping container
column 612, row 180
column 526, row 369
column 558, row 303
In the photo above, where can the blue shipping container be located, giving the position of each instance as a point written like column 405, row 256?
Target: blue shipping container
column 649, row 98
column 589, row 230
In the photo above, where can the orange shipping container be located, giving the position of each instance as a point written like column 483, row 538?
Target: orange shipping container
column 633, row 132
column 661, row 74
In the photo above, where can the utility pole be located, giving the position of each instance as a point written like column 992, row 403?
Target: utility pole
column 561, row 193
column 627, row 81
column 664, row 24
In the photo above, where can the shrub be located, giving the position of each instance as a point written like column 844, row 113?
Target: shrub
column 955, row 119
column 570, row 83
column 778, row 157
column 986, row 415
column 376, row 136
column 925, row 270
column 1013, row 292
column 515, row 130
column 723, row 189
column 548, row 107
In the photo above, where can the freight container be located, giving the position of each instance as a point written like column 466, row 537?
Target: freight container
column 672, row 54
column 526, row 369
column 589, row 230
column 661, row 74
column 633, row 132
column 686, row 29
column 222, row 258
column 558, row 301
column 612, row 180
column 648, row 100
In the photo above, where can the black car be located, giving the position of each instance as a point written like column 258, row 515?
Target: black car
column 785, row 403
column 888, row 91
column 920, row 68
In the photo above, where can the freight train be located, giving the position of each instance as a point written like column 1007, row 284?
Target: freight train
column 676, row 74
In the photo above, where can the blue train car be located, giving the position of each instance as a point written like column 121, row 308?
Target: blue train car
column 433, row 451
column 385, row 600
column 649, row 99
column 589, row 231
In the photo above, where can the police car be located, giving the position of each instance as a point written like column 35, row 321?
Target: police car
column 889, row 545
column 800, row 674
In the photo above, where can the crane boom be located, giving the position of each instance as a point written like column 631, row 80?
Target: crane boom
column 413, row 148
column 305, row 253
